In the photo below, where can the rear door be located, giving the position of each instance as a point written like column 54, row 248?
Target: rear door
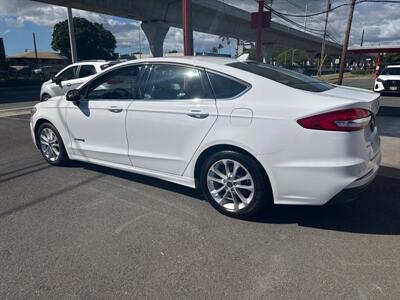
column 173, row 115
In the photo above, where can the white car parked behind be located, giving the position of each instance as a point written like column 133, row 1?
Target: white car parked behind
column 388, row 80
column 247, row 134
column 71, row 77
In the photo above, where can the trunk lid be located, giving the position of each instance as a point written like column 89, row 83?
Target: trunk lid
column 357, row 98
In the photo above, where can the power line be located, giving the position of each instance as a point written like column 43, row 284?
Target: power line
column 336, row 7
column 278, row 14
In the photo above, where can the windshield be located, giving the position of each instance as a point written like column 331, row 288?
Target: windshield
column 391, row 71
column 287, row 77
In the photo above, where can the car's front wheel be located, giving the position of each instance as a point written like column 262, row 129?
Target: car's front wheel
column 235, row 184
column 45, row 97
column 51, row 145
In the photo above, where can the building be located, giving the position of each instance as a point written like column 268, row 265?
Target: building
column 28, row 58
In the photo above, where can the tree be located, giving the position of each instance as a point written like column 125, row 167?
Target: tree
column 93, row 41
column 284, row 56
column 391, row 58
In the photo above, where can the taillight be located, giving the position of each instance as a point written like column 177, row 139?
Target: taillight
column 341, row 120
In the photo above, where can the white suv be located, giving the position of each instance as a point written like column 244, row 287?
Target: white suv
column 388, row 80
column 71, row 77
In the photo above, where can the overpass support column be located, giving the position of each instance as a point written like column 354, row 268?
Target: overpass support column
column 155, row 33
column 311, row 56
column 267, row 51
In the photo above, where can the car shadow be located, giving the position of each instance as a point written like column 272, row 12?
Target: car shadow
column 158, row 183
column 376, row 211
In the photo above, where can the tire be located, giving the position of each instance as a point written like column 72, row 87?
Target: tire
column 238, row 196
column 49, row 142
column 45, row 97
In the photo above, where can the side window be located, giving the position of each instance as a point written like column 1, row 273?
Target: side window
column 117, row 84
column 172, row 82
column 87, row 70
column 68, row 74
column 225, row 87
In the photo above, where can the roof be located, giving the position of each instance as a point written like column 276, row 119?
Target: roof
column 193, row 60
column 200, row 61
column 41, row 55
column 91, row 62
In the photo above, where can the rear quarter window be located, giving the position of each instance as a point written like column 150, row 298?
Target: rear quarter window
column 225, row 87
column 287, row 77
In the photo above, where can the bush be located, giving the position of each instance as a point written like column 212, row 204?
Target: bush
column 361, row 72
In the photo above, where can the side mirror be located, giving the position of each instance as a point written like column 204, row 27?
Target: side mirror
column 73, row 95
column 56, row 80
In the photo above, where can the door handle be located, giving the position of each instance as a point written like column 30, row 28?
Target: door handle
column 115, row 109
column 69, row 84
column 198, row 114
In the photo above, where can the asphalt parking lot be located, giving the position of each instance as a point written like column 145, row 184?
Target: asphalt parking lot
column 85, row 232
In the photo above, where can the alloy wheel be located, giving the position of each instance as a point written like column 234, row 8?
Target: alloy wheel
column 49, row 144
column 230, row 184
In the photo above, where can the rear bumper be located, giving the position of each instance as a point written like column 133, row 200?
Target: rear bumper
column 357, row 187
column 317, row 183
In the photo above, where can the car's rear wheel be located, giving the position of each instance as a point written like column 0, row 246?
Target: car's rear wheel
column 45, row 97
column 51, row 145
column 235, row 184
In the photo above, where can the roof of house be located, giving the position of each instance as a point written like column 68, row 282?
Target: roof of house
column 41, row 55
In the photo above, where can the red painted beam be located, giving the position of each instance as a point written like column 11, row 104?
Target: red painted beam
column 375, row 50
column 187, row 27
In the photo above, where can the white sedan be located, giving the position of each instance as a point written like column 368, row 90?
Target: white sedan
column 247, row 134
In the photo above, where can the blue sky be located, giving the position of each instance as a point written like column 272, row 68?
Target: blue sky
column 20, row 38
column 19, row 18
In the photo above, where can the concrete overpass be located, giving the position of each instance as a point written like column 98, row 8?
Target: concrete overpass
column 208, row 16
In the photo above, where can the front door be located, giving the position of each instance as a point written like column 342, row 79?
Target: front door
column 97, row 123
column 68, row 80
column 168, row 123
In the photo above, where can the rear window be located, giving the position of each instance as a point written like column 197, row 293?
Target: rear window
column 87, row 70
column 287, row 77
column 225, row 87
column 391, row 71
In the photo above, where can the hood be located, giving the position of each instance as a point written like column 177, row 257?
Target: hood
column 389, row 77
column 47, row 82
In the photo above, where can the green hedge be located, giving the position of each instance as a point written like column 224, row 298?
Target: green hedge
column 361, row 72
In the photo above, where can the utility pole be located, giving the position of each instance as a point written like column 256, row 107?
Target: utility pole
column 305, row 17
column 346, row 42
column 72, row 41
column 362, row 39
column 140, row 43
column 322, row 58
column 34, row 45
